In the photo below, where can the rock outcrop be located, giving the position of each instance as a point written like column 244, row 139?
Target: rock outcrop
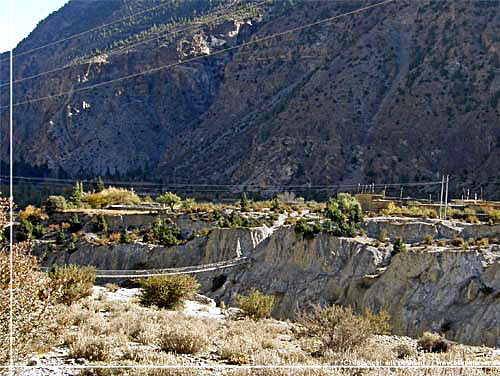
column 452, row 290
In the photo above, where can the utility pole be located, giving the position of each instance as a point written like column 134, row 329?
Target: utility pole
column 446, row 199
column 441, row 197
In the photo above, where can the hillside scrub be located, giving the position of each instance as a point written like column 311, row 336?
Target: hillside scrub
column 72, row 282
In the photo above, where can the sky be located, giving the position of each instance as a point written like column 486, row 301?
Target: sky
column 26, row 15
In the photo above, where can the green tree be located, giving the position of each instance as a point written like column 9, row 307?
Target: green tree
column 346, row 214
column 170, row 199
column 244, row 203
column 125, row 237
column 100, row 225
column 76, row 194
column 75, row 224
column 166, row 235
column 25, row 231
column 98, row 185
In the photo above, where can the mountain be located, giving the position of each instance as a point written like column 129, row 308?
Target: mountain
column 401, row 92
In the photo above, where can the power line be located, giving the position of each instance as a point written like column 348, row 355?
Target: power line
column 147, row 185
column 255, row 41
column 87, row 31
column 126, row 48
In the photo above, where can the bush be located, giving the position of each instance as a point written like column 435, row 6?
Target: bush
column 100, row 225
column 345, row 213
column 337, row 328
column 308, row 230
column 244, row 203
column 433, row 342
column 112, row 287
column 38, row 231
column 168, row 291
column 255, row 305
column 75, row 225
column 182, row 341
column 398, row 246
column 125, row 237
column 32, row 214
column 73, row 282
column 25, row 231
column 457, row 242
column 428, row 239
column 37, row 322
column 111, row 196
column 92, row 348
column 54, row 203
column 233, row 220
column 404, row 351
column 166, row 235
column 61, row 237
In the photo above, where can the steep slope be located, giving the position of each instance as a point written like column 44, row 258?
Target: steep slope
column 401, row 92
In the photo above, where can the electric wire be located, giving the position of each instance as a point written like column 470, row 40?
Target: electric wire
column 244, row 44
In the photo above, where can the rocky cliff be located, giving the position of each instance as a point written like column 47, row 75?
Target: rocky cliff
column 452, row 290
column 395, row 93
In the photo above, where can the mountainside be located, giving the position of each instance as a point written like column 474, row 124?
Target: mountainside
column 401, row 92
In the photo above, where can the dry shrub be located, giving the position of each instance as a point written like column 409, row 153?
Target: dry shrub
column 428, row 239
column 338, row 328
column 379, row 322
column 235, row 349
column 95, row 348
column 181, row 340
column 404, row 351
column 168, row 291
column 482, row 242
column 111, row 196
column 433, row 342
column 32, row 212
column 115, row 237
column 256, row 305
column 36, row 319
column 457, row 242
column 72, row 282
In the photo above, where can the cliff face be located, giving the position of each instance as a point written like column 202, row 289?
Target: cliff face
column 450, row 291
column 454, row 291
column 393, row 93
